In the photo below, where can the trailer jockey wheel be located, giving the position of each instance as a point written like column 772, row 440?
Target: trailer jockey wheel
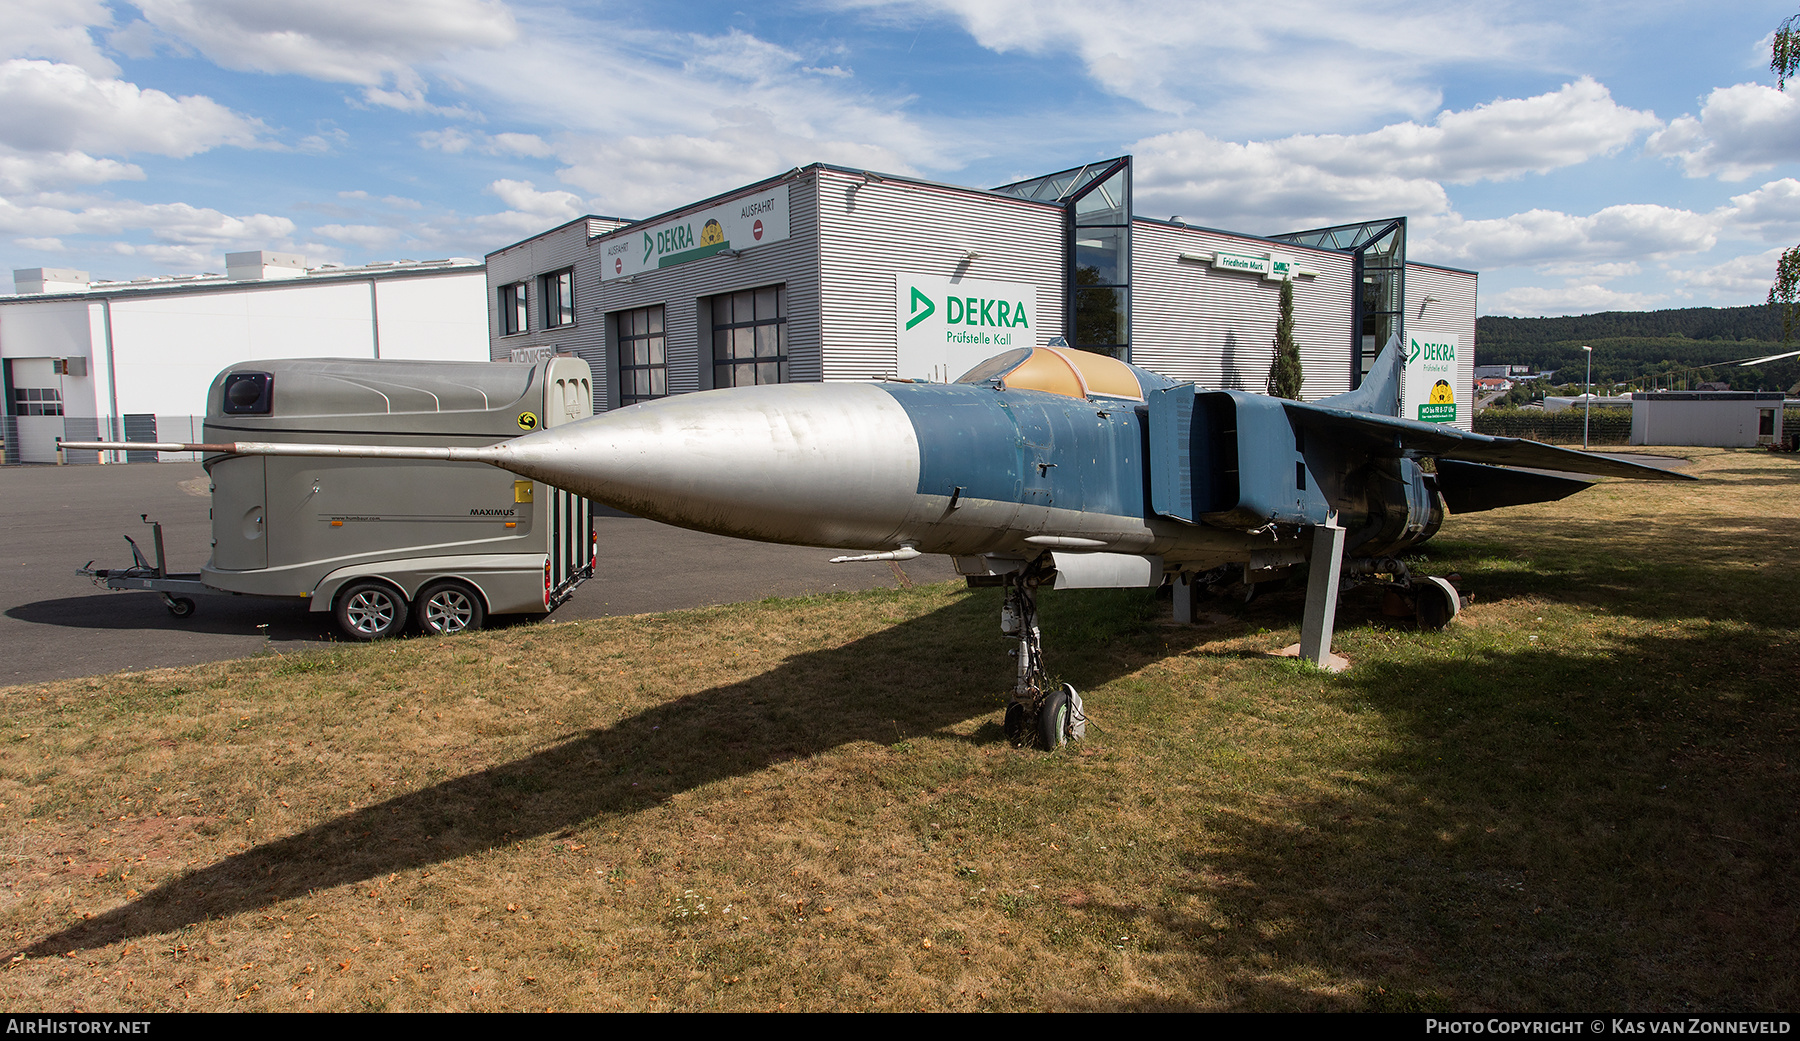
column 449, row 607
column 179, row 606
column 371, row 611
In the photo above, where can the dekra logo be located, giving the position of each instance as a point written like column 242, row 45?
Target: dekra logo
column 968, row 310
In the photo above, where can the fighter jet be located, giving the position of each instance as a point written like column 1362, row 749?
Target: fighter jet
column 1046, row 467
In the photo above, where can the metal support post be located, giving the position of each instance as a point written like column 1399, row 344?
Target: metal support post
column 1187, row 596
column 1322, row 592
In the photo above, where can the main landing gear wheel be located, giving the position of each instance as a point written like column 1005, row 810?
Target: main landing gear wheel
column 1053, row 720
column 449, row 607
column 1435, row 602
column 371, row 611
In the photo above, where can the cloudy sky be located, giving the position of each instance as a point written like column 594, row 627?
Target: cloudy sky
column 1581, row 156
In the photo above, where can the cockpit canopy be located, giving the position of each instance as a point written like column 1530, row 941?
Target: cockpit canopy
column 1059, row 370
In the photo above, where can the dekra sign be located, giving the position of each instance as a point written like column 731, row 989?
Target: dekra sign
column 971, row 310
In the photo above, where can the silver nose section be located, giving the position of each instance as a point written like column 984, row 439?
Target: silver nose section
column 816, row 464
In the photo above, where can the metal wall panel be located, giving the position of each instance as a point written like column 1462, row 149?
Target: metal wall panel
column 1192, row 321
column 1451, row 311
column 792, row 262
column 554, row 250
column 870, row 230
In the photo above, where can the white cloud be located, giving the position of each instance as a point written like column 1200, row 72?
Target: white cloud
column 455, row 140
column 1598, row 272
column 50, row 245
column 1255, row 186
column 1771, row 212
column 31, row 171
column 519, row 144
column 1311, row 63
column 1740, row 131
column 173, row 223
column 1748, row 275
column 685, row 115
column 1550, row 237
column 450, row 140
column 1546, row 301
column 368, row 236
column 1310, row 179
column 53, row 107
column 524, row 197
column 1496, row 141
column 373, row 45
column 58, row 30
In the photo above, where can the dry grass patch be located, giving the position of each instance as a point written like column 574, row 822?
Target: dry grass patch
column 1582, row 795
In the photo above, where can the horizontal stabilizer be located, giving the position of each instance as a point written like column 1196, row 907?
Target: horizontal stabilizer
column 1448, row 442
column 1472, row 487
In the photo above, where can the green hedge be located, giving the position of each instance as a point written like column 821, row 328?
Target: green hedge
column 1608, row 426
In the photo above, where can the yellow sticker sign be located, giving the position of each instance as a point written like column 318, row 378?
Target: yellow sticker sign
column 528, row 421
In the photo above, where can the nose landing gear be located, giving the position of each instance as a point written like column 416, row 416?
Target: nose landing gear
column 1037, row 714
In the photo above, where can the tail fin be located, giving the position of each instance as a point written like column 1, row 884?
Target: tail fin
column 1380, row 390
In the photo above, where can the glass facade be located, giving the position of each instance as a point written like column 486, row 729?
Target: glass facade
column 1096, row 199
column 1380, row 251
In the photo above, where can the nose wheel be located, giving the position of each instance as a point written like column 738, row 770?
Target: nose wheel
column 1038, row 714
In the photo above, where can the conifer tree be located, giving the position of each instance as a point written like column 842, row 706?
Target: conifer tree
column 1284, row 372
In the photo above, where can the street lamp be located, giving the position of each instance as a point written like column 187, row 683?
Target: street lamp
column 1587, row 403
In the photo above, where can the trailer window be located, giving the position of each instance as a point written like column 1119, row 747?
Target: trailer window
column 643, row 361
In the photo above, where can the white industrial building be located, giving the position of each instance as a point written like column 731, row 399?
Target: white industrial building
column 829, row 273
column 132, row 360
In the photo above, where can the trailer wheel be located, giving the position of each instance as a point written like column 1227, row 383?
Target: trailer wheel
column 449, row 607
column 180, row 606
column 371, row 611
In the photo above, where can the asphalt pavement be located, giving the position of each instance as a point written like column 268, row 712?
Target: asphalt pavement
column 55, row 624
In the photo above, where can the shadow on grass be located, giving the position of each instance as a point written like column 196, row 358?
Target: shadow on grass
column 1611, row 832
column 1614, row 827
column 909, row 680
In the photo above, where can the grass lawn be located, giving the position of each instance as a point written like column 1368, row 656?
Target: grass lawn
column 1581, row 795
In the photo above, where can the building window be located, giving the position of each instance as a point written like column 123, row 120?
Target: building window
column 643, row 364
column 750, row 337
column 513, row 316
column 559, row 298
column 36, row 401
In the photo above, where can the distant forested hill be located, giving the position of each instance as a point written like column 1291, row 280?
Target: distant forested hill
column 1633, row 345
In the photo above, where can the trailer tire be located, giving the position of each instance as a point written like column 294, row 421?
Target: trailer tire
column 371, row 611
column 449, row 607
column 181, row 606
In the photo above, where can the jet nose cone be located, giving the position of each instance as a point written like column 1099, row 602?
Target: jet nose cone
column 811, row 464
